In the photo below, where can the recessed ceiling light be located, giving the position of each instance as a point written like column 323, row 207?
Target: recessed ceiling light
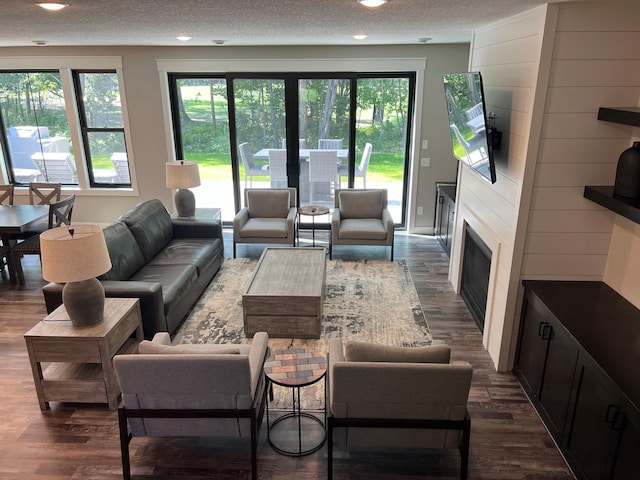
column 372, row 3
column 183, row 38
column 360, row 37
column 54, row 7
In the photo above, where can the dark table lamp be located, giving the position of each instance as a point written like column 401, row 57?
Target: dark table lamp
column 76, row 255
column 183, row 175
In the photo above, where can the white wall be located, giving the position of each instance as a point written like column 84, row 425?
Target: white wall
column 548, row 71
column 150, row 142
column 508, row 54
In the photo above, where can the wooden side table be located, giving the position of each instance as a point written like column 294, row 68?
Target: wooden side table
column 81, row 368
column 296, row 368
column 312, row 211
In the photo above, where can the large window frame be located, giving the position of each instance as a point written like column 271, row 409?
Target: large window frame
column 65, row 66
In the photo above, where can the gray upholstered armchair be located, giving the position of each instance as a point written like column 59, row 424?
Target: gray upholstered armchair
column 415, row 398
column 360, row 217
column 192, row 390
column 269, row 216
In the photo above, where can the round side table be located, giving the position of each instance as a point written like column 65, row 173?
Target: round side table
column 312, row 211
column 295, row 368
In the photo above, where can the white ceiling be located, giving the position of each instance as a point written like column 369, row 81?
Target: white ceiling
column 250, row 22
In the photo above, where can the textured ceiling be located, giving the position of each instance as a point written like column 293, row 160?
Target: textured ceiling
column 250, row 22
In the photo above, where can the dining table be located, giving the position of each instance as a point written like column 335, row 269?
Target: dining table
column 15, row 220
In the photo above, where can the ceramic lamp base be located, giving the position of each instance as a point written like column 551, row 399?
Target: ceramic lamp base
column 84, row 302
column 185, row 202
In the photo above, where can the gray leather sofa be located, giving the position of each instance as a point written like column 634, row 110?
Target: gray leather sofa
column 165, row 262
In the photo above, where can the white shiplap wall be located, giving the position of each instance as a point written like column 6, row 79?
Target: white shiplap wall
column 509, row 55
column 547, row 72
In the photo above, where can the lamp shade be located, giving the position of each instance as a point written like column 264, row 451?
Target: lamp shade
column 183, row 174
column 73, row 254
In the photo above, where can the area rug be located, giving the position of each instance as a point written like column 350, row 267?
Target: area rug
column 365, row 300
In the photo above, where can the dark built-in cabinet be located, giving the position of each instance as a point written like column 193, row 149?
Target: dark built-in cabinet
column 578, row 361
column 445, row 210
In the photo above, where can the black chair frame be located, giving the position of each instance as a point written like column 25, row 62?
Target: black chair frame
column 255, row 413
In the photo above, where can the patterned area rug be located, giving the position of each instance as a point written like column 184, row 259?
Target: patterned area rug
column 365, row 300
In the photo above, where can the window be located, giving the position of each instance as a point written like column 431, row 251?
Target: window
column 102, row 127
column 35, row 131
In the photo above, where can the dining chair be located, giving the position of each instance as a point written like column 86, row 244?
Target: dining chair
column 44, row 193
column 59, row 213
column 361, row 169
column 6, row 194
column 323, row 168
column 250, row 169
column 329, row 143
column 278, row 168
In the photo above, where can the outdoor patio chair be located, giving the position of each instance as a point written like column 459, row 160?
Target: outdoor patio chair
column 476, row 143
column 120, row 162
column 56, row 167
column 250, row 168
column 330, row 143
column 361, row 170
column 361, row 217
column 384, row 397
column 323, row 169
column 278, row 168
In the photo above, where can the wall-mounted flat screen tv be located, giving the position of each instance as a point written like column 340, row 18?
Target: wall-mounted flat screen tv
column 471, row 135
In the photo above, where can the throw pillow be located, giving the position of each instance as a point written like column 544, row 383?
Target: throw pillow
column 147, row 346
column 371, row 352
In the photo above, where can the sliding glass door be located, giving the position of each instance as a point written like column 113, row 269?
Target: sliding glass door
column 348, row 130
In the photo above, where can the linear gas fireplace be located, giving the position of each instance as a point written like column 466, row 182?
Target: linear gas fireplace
column 476, row 266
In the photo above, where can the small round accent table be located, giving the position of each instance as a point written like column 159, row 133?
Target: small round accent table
column 296, row 368
column 312, row 211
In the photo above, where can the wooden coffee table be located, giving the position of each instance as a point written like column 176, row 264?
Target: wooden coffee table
column 285, row 294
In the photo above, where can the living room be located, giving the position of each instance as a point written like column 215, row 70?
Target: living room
column 543, row 165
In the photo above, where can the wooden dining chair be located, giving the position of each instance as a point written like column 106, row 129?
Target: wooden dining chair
column 59, row 213
column 6, row 194
column 44, row 193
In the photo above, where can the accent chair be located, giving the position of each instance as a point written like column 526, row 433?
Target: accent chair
column 361, row 217
column 202, row 390
column 269, row 216
column 384, row 397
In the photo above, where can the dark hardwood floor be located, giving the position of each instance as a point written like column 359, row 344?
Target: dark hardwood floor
column 80, row 441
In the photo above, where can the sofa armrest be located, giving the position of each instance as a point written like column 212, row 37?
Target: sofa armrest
column 239, row 221
column 387, row 221
column 199, row 229
column 149, row 294
column 335, row 224
column 257, row 356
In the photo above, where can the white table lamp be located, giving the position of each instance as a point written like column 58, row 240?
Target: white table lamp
column 182, row 175
column 76, row 255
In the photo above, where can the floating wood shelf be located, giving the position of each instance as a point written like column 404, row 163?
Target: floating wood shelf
column 625, row 116
column 604, row 196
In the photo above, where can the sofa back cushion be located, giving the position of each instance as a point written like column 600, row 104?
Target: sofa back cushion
column 124, row 252
column 150, row 225
column 371, row 352
column 361, row 203
column 268, row 203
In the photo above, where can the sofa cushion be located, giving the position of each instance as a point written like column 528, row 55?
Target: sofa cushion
column 196, row 348
column 268, row 203
column 362, row 229
column 371, row 352
column 175, row 280
column 361, row 204
column 200, row 252
column 124, row 252
column 151, row 226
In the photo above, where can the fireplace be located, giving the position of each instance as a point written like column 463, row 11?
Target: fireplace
column 476, row 265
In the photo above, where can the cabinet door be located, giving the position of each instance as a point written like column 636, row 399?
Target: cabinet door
column 558, row 379
column 595, row 434
column 532, row 347
column 450, row 210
